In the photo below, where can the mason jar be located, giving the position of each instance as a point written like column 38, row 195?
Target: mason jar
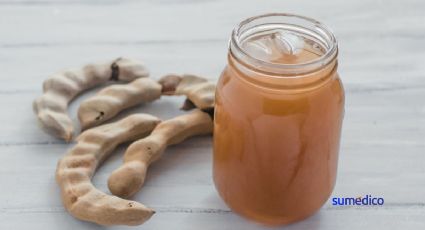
column 278, row 117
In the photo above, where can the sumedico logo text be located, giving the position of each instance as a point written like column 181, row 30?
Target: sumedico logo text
column 367, row 200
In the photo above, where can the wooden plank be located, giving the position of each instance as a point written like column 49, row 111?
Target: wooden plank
column 370, row 47
column 182, row 178
column 180, row 187
column 408, row 218
column 393, row 116
column 215, row 19
column 25, row 68
column 22, row 127
column 129, row 20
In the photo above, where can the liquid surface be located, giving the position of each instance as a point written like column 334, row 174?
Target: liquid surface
column 275, row 154
column 279, row 46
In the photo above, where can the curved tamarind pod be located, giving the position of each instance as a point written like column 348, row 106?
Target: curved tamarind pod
column 113, row 99
column 198, row 90
column 129, row 178
column 60, row 88
column 75, row 170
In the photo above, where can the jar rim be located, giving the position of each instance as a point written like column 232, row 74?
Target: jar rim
column 281, row 68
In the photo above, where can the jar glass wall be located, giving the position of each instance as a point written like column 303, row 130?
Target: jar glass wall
column 278, row 117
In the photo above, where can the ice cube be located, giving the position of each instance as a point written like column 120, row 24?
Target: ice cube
column 274, row 45
column 287, row 43
column 259, row 48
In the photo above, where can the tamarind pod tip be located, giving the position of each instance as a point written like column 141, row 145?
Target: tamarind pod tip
column 56, row 124
column 127, row 180
column 108, row 210
column 169, row 83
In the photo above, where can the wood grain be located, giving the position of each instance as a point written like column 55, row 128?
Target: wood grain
column 380, row 62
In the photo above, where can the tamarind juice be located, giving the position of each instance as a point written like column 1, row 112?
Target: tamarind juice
column 277, row 125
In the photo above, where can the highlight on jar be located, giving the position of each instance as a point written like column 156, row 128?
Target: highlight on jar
column 278, row 118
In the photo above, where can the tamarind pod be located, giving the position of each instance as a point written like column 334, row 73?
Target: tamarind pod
column 198, row 90
column 169, row 83
column 129, row 178
column 113, row 99
column 61, row 88
column 75, row 170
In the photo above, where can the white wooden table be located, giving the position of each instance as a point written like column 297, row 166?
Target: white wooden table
column 382, row 55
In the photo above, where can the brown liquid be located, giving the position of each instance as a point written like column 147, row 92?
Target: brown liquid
column 275, row 152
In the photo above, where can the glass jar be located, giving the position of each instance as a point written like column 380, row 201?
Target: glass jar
column 278, row 117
